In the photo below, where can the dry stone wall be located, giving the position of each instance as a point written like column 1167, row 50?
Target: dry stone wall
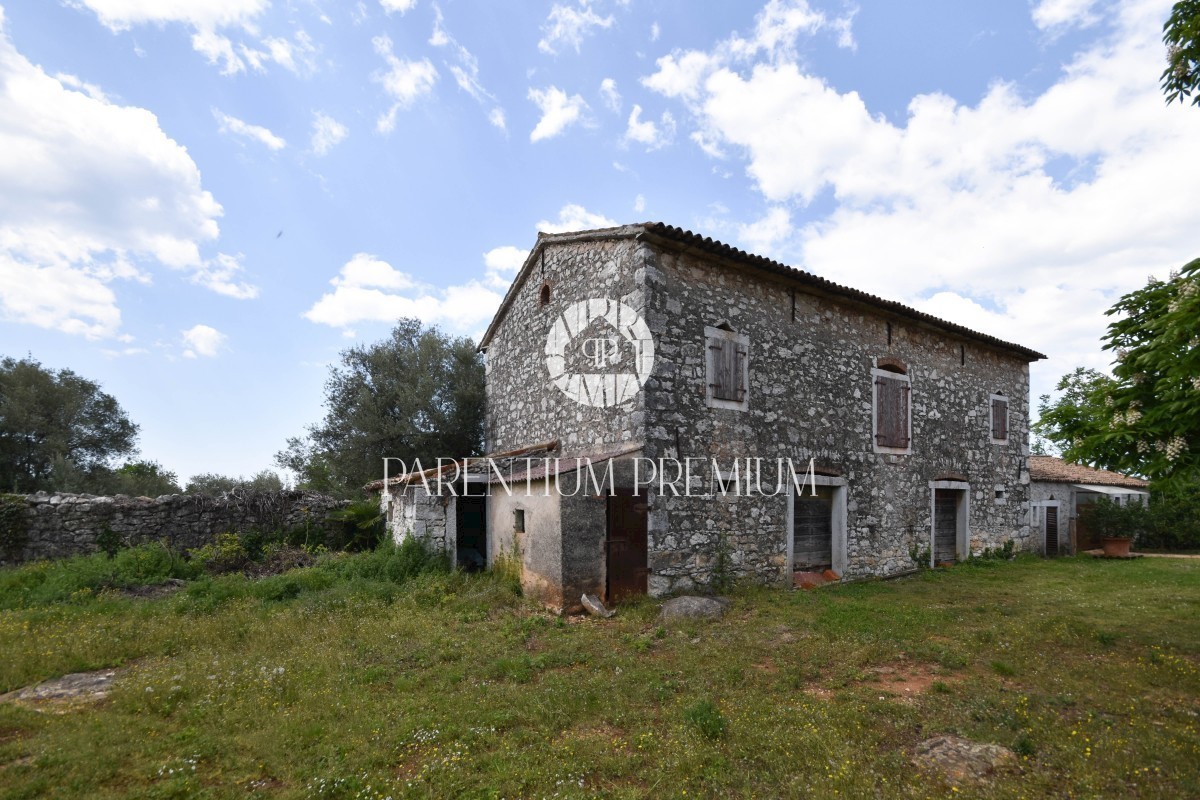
column 63, row 525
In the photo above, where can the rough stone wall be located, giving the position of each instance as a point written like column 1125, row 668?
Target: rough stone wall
column 64, row 525
column 415, row 512
column 523, row 406
column 810, row 397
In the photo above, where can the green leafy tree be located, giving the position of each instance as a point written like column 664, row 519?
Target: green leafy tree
column 1145, row 419
column 417, row 394
column 55, row 417
column 139, row 478
column 214, row 484
column 1181, row 34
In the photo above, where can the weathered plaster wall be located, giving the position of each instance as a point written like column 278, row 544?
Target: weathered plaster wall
column 1040, row 492
column 523, row 406
column 539, row 546
column 63, row 525
column 810, row 397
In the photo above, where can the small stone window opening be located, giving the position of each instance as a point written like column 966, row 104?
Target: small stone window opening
column 519, row 520
column 544, row 295
column 999, row 493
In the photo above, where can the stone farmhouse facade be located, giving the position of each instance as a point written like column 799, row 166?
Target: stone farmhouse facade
column 1060, row 493
column 647, row 345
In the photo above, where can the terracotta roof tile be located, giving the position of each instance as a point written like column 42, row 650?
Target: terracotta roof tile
column 1055, row 470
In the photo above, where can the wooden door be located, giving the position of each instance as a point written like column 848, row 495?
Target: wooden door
column 625, row 546
column 1051, row 530
column 945, row 525
column 812, row 531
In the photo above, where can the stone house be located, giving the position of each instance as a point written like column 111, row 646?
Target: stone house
column 649, row 349
column 1059, row 491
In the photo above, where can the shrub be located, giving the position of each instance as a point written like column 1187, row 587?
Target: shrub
column 46, row 582
column 706, row 718
column 390, row 562
column 1173, row 521
column 226, row 554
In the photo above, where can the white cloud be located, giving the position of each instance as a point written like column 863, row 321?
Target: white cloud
column 608, row 91
column 368, row 289
column 639, row 204
column 1039, row 208
column 220, row 275
column 558, row 112
column 120, row 15
column 777, row 26
column 502, row 264
column 652, row 135
column 400, row 6
column 465, row 69
column 1049, row 14
column 201, row 340
column 764, row 235
column 568, row 25
column 405, row 81
column 655, row 31
column 327, row 133
column 90, row 193
column 228, row 124
column 573, row 217
column 212, row 22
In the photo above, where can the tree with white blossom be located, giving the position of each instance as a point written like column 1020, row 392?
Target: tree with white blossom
column 1145, row 418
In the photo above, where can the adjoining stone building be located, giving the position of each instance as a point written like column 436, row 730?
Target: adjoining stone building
column 1060, row 493
column 647, row 345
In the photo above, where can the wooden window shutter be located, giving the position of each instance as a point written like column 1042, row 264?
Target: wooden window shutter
column 891, row 410
column 726, row 372
column 738, row 364
column 999, row 418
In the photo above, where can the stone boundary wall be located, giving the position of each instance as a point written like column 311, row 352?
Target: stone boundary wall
column 64, row 525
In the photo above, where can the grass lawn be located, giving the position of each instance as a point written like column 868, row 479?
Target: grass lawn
column 452, row 686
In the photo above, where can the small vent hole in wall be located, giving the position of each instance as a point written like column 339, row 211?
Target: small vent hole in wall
column 519, row 520
column 962, row 354
column 999, row 494
column 544, row 295
column 889, row 329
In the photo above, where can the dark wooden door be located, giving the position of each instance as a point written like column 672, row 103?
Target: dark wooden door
column 625, row 546
column 945, row 525
column 1051, row 530
column 812, row 531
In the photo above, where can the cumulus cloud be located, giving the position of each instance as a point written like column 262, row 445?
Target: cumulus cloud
column 608, row 91
column 368, row 289
column 202, row 341
column 1039, row 208
column 404, row 81
column 1049, row 14
column 327, row 133
column 257, row 133
column 568, row 25
column 573, row 217
column 649, row 133
column 399, row 6
column 558, row 112
column 91, row 192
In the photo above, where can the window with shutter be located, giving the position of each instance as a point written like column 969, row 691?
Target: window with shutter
column 891, row 394
column 999, row 418
column 727, row 368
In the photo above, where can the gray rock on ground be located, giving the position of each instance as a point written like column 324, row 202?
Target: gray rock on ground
column 693, row 607
column 961, row 760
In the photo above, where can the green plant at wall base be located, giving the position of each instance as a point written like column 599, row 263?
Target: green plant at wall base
column 14, row 527
column 109, row 541
column 362, row 525
column 506, row 565
column 1108, row 519
column 920, row 555
column 226, row 554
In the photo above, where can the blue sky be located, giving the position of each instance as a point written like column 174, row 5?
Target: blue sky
column 203, row 201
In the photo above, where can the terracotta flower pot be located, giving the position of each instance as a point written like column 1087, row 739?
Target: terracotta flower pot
column 1116, row 546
